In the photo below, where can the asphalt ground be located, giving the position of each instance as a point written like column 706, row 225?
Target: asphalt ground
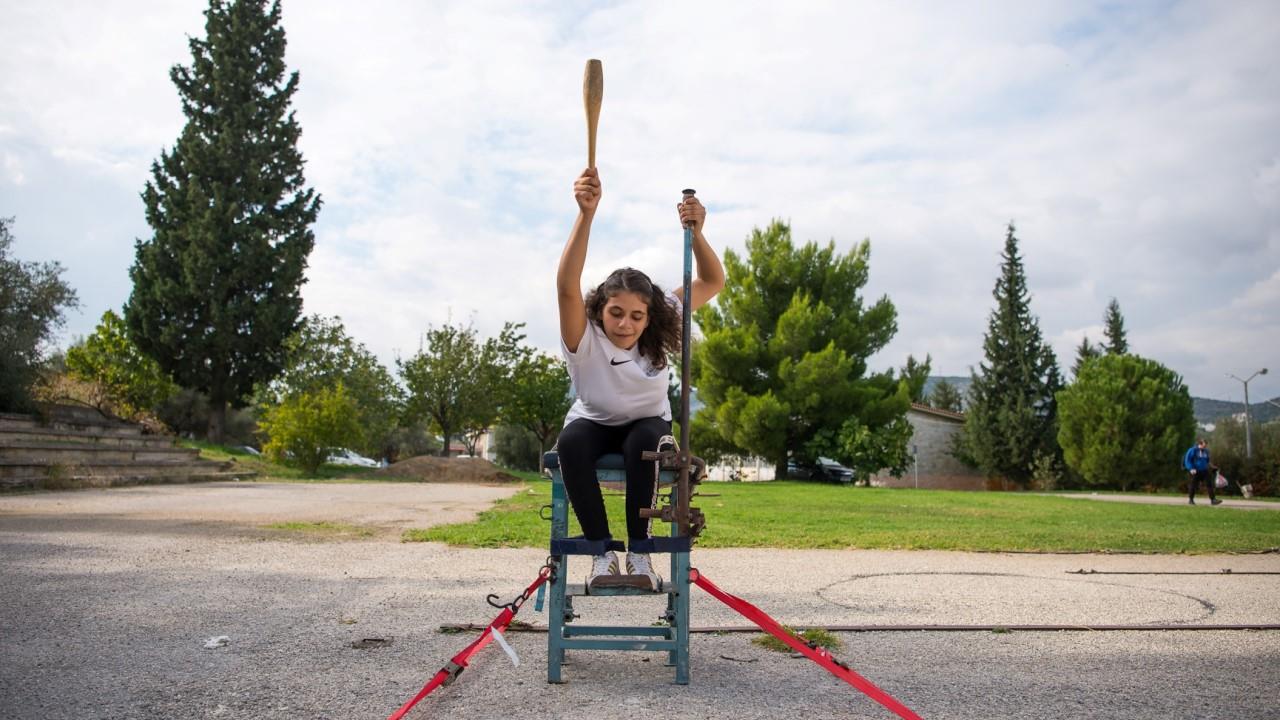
column 110, row 597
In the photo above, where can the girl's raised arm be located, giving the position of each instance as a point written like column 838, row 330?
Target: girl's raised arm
column 573, row 311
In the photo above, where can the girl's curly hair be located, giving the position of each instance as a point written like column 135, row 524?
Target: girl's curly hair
column 661, row 337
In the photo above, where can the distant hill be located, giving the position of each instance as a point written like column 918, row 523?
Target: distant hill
column 1206, row 409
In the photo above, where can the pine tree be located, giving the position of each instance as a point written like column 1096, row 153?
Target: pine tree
column 916, row 375
column 217, row 287
column 1116, row 343
column 1011, row 422
column 782, row 367
column 1122, row 420
column 946, row 396
column 1085, row 352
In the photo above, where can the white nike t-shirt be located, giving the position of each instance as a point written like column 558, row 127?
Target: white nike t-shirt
column 614, row 386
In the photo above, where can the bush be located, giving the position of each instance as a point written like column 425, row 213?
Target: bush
column 305, row 428
column 517, row 448
column 1226, row 443
column 187, row 414
column 411, row 441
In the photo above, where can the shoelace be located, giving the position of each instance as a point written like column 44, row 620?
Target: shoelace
column 602, row 565
column 640, row 564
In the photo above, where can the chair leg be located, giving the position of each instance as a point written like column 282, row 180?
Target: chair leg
column 680, row 576
column 556, row 614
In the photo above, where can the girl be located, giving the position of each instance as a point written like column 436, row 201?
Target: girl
column 616, row 343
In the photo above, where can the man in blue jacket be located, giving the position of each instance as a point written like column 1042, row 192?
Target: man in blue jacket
column 1196, row 462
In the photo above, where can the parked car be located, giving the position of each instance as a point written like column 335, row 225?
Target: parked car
column 343, row 456
column 825, row 469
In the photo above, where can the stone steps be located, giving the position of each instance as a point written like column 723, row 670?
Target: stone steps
column 77, row 453
column 72, row 424
column 71, row 447
column 44, row 435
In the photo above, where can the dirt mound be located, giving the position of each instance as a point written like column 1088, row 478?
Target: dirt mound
column 454, row 469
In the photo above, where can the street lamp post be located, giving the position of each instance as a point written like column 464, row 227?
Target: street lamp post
column 1248, row 440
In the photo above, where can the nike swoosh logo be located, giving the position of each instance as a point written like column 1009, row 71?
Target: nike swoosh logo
column 615, row 362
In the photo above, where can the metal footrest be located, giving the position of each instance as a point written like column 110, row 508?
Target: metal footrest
column 618, row 585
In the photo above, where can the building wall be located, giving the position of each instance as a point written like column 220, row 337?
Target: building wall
column 932, row 436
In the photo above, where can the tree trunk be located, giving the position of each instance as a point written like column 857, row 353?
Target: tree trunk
column 780, row 470
column 217, row 420
column 444, row 435
column 543, row 437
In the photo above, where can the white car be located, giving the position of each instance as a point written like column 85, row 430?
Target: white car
column 343, row 456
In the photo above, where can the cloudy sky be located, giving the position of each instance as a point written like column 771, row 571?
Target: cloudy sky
column 1136, row 146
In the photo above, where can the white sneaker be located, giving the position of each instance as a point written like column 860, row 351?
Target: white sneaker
column 639, row 564
column 603, row 566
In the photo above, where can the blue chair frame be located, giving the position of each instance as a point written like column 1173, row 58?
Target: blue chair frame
column 563, row 634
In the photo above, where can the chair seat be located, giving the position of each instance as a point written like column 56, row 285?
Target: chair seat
column 612, row 461
column 611, row 469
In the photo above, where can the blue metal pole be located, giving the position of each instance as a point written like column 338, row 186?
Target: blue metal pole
column 686, row 334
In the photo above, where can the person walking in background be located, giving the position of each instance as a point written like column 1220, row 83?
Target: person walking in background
column 1196, row 462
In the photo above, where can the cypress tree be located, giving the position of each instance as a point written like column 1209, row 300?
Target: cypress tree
column 1116, row 343
column 217, row 287
column 1011, row 421
column 1085, row 352
column 946, row 396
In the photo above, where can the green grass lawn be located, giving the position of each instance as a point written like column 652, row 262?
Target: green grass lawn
column 807, row 516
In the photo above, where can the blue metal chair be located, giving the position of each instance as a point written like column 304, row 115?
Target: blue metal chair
column 563, row 634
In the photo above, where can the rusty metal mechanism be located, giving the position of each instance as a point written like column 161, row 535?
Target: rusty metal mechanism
column 690, row 471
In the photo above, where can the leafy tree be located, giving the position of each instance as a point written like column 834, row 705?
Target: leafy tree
column 493, row 383
column 916, row 375
column 33, row 297
column 458, row 383
column 306, row 427
column 130, row 383
column 782, row 366
column 1116, row 343
column 946, row 396
column 1126, row 421
column 1012, row 410
column 539, row 399
column 1085, row 352
column 321, row 354
column 216, row 288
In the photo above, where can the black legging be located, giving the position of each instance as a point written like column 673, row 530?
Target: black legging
column 581, row 443
column 1202, row 475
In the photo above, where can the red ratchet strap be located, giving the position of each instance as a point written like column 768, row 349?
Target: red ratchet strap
column 458, row 663
column 820, row 655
